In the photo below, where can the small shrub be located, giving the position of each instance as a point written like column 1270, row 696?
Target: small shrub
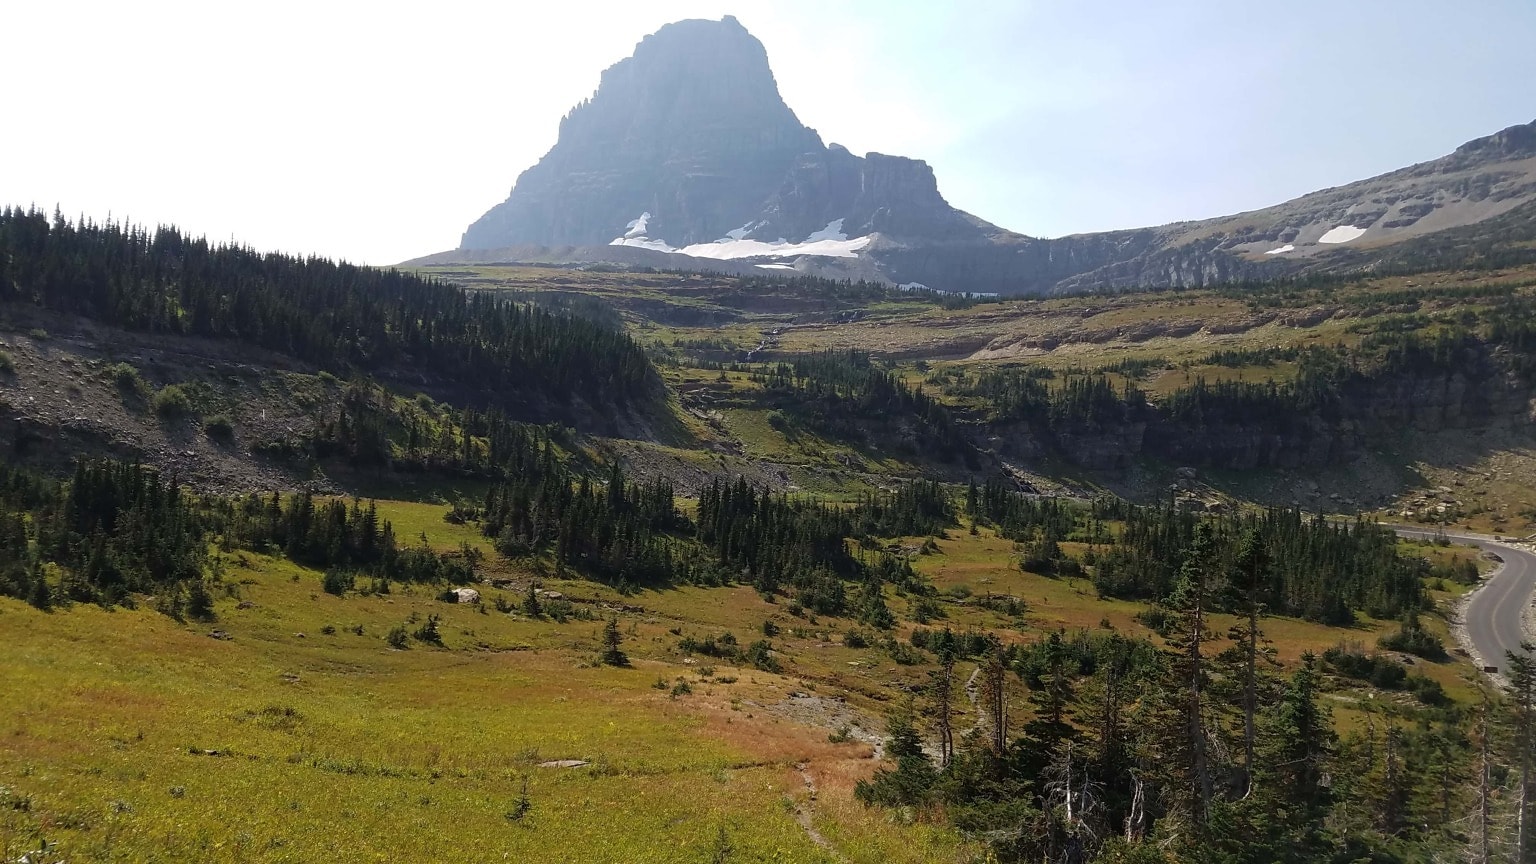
column 397, row 637
column 1427, row 691
column 681, row 688
column 220, row 428
column 904, row 654
column 843, row 735
column 1156, row 619
column 926, row 609
column 1412, row 638
column 337, row 582
column 760, row 655
column 172, row 402
column 128, row 380
column 38, row 333
column 855, row 639
column 7, row 365
column 428, row 632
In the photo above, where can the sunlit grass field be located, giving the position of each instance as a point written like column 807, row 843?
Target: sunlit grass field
column 301, row 735
column 126, row 736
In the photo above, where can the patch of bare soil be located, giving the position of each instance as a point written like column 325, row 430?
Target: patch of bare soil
column 832, row 714
column 61, row 401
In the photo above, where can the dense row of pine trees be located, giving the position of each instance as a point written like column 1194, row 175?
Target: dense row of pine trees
column 1311, row 568
column 846, row 396
column 337, row 316
column 115, row 530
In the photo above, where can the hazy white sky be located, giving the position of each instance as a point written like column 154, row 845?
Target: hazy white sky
column 377, row 131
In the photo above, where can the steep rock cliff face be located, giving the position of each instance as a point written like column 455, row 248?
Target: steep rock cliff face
column 1482, row 394
column 691, row 129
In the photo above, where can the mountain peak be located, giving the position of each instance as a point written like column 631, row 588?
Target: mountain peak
column 688, row 143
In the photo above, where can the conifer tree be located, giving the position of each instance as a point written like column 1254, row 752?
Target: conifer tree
column 1182, row 741
column 612, row 639
column 39, row 594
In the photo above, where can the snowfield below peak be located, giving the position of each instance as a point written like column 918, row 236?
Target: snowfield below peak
column 1342, row 234
column 829, row 242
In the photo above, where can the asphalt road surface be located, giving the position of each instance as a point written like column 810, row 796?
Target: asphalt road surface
column 1493, row 618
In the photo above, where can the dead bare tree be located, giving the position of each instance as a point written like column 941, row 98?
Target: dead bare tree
column 1484, row 797
column 944, row 695
column 994, row 690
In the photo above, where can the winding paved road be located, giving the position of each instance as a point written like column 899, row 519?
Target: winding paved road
column 1493, row 617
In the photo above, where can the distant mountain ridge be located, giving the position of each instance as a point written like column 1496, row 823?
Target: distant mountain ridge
column 686, row 157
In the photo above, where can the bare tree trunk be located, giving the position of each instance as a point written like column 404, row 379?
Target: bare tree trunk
column 1484, row 800
column 1391, row 815
column 1250, row 696
column 1523, row 741
column 1110, row 722
column 1195, row 712
column 1136, row 820
column 945, row 694
column 995, row 682
column 1445, row 782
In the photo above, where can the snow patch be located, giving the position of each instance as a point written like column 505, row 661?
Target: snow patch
column 833, row 231
column 829, row 242
column 727, row 250
column 775, row 266
column 1286, row 248
column 643, row 243
column 1342, row 234
column 739, row 233
column 636, row 227
column 634, row 235
column 918, row 286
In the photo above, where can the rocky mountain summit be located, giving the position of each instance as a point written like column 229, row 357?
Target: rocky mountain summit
column 687, row 157
column 688, row 148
